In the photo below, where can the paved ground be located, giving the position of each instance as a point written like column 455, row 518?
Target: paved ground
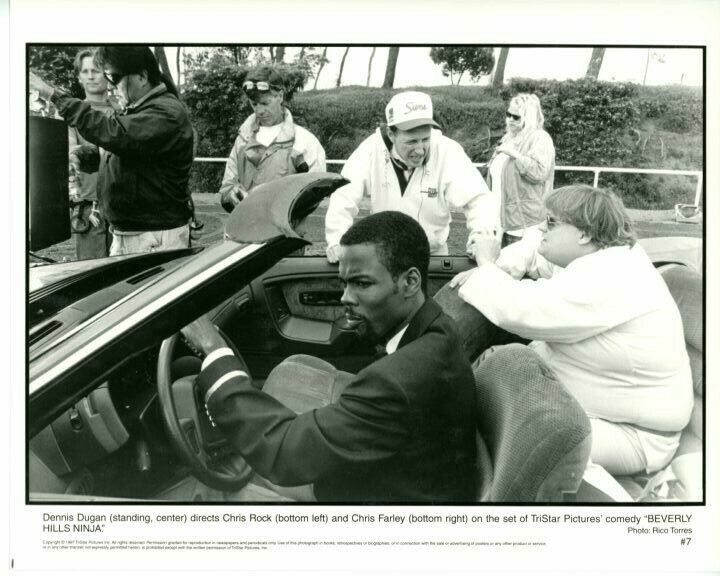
column 209, row 211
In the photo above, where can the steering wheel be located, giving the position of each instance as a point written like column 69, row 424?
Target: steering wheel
column 193, row 436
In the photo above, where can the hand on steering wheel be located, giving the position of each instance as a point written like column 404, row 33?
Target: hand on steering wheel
column 195, row 439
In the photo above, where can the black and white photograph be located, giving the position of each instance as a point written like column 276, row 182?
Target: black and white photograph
column 292, row 301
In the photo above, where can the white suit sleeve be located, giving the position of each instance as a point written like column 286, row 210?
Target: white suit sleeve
column 565, row 308
column 521, row 258
column 345, row 201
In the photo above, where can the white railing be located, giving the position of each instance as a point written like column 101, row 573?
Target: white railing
column 596, row 170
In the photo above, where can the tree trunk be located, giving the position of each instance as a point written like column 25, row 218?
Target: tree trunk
column 162, row 61
column 342, row 65
column 372, row 55
column 499, row 75
column 302, row 54
column 596, row 60
column 390, row 68
column 647, row 65
column 322, row 65
column 279, row 54
column 178, row 59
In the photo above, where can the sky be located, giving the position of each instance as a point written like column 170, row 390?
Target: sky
column 415, row 68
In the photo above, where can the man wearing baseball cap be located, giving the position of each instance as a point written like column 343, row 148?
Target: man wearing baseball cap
column 412, row 168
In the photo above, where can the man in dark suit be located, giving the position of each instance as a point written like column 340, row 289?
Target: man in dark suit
column 402, row 430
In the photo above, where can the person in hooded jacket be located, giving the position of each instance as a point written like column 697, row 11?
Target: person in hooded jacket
column 269, row 144
column 522, row 169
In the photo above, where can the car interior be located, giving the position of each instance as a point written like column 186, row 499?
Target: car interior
column 136, row 433
column 114, row 443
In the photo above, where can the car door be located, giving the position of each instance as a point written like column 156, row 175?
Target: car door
column 294, row 308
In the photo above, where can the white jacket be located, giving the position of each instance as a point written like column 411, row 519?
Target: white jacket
column 448, row 181
column 606, row 324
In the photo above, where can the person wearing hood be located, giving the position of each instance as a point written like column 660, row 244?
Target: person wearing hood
column 522, row 169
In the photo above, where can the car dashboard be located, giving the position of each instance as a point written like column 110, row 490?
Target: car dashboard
column 111, row 442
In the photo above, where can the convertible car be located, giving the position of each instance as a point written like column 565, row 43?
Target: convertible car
column 112, row 413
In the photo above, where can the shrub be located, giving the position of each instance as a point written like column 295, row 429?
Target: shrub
column 344, row 117
column 592, row 124
column 588, row 120
column 54, row 64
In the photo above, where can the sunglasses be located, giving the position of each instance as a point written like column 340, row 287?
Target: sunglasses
column 552, row 221
column 114, row 77
column 513, row 116
column 261, row 86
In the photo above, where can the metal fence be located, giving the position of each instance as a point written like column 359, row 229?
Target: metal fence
column 596, row 170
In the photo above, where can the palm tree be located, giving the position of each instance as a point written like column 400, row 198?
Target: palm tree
column 596, row 60
column 499, row 75
column 372, row 55
column 323, row 59
column 342, row 65
column 391, row 65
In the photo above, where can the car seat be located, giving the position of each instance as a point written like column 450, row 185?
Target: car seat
column 682, row 479
column 533, row 437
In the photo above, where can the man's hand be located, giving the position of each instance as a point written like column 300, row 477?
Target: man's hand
column 461, row 278
column 485, row 246
column 232, row 198
column 203, row 335
column 74, row 162
column 43, row 88
column 333, row 253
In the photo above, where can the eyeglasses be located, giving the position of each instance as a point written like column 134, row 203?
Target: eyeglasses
column 114, row 77
column 552, row 221
column 513, row 116
column 261, row 86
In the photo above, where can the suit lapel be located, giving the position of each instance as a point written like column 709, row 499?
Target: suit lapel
column 419, row 324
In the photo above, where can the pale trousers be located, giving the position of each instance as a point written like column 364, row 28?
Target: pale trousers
column 616, row 447
column 149, row 241
column 626, row 449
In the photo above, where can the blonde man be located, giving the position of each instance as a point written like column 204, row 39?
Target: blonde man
column 89, row 227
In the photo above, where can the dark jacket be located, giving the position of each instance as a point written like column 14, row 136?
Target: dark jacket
column 402, row 431
column 143, row 179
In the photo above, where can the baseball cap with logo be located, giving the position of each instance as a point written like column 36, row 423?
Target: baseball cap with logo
column 408, row 110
